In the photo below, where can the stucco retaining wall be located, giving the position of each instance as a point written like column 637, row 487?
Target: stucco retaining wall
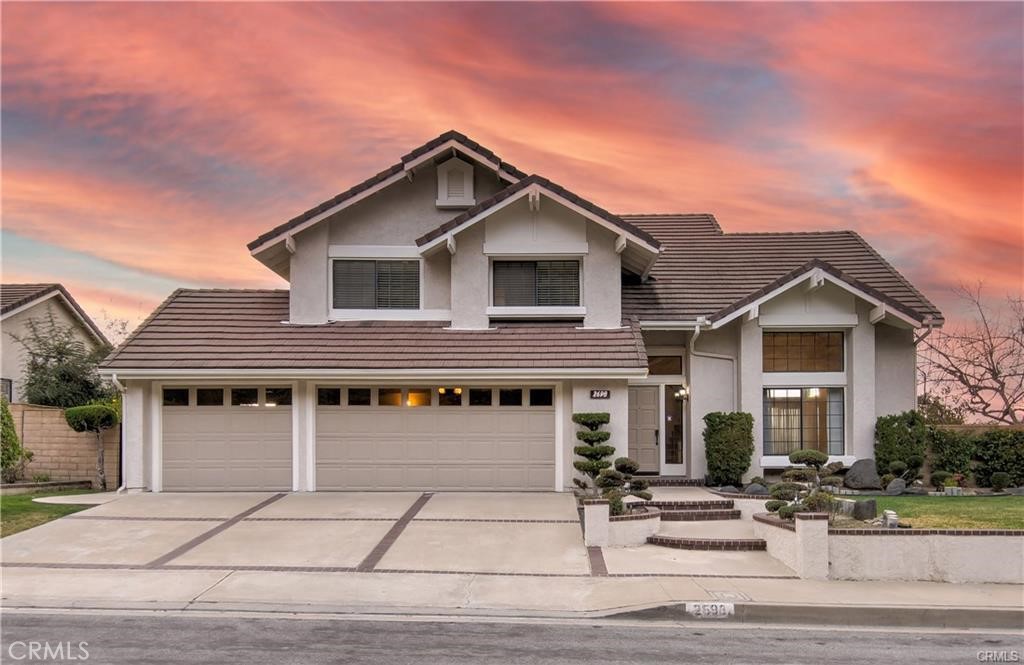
column 60, row 452
column 633, row 530
column 928, row 557
column 780, row 540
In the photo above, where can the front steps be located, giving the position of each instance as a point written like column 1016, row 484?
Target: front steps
column 712, row 525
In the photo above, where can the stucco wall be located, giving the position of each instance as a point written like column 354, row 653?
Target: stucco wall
column 617, row 405
column 309, row 277
column 602, row 280
column 712, row 388
column 935, row 558
column 895, row 370
column 60, row 452
column 12, row 354
column 470, row 280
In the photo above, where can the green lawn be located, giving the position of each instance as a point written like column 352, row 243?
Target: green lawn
column 18, row 512
column 956, row 512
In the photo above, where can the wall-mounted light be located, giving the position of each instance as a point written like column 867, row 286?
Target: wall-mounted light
column 682, row 394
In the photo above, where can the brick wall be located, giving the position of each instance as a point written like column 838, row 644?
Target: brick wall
column 58, row 450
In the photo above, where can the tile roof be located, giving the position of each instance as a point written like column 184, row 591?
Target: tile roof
column 534, row 179
column 395, row 169
column 13, row 296
column 243, row 329
column 704, row 272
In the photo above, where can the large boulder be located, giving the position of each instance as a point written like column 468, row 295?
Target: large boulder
column 865, row 510
column 863, row 476
column 896, row 487
column 728, row 489
column 756, row 488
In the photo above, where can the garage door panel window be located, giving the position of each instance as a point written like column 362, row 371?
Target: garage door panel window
column 449, row 396
column 418, row 397
column 209, row 397
column 389, row 396
column 510, row 397
column 279, row 397
column 175, row 396
column 542, row 396
column 481, row 396
column 359, row 396
column 245, row 397
column 328, row 396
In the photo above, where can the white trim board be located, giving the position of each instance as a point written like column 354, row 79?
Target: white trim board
column 339, row 374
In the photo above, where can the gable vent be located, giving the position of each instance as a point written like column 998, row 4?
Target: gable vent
column 455, row 184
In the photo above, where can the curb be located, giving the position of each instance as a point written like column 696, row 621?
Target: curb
column 884, row 616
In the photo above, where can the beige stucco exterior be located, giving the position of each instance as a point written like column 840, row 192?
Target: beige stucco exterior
column 12, row 360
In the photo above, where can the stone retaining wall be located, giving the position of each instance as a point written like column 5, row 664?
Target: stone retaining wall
column 60, row 452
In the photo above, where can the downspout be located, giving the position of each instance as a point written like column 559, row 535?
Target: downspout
column 717, row 356
column 121, row 388
column 929, row 326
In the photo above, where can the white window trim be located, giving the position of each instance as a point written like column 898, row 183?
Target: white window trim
column 379, row 253
column 801, row 387
column 782, row 461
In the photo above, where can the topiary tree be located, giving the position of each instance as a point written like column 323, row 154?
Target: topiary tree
column 594, row 448
column 901, row 438
column 13, row 456
column 1000, row 481
column 95, row 418
column 728, row 446
column 618, row 483
column 938, row 479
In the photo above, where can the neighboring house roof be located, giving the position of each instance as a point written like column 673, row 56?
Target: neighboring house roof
column 15, row 298
column 246, row 330
column 457, row 140
column 543, row 183
column 703, row 272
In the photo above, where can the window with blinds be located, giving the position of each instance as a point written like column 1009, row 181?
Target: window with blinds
column 536, row 283
column 361, row 284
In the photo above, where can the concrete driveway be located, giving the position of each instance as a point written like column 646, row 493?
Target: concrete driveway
column 510, row 533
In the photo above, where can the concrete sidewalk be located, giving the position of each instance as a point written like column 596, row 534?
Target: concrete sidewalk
column 492, row 594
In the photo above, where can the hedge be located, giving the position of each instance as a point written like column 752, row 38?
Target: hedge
column 902, row 437
column 999, row 450
column 728, row 446
column 952, row 451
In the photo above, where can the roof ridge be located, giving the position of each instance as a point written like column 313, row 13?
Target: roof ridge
column 219, row 290
column 791, row 233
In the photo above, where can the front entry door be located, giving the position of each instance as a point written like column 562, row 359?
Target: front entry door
column 644, row 427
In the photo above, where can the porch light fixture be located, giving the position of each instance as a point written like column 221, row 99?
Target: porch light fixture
column 682, row 394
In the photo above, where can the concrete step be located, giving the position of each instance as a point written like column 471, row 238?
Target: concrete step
column 699, row 515
column 718, row 544
column 701, row 504
column 715, row 529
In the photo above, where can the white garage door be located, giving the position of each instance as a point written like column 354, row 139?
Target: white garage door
column 435, row 438
column 227, row 439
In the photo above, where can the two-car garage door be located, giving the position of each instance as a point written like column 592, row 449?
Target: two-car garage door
column 431, row 438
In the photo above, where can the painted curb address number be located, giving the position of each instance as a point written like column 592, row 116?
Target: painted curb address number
column 710, row 610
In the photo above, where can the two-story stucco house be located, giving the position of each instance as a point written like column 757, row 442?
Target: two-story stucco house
column 22, row 303
column 446, row 317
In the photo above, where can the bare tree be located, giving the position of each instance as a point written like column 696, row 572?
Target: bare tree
column 980, row 365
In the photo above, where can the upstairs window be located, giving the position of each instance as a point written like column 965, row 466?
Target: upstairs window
column 803, row 352
column 536, row 283
column 362, row 284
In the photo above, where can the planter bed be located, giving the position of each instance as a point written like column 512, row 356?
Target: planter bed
column 53, row 485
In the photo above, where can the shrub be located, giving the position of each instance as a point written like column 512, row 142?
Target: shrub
column 626, row 465
column 728, row 446
column 812, row 458
column 774, row 505
column 803, row 475
column 902, row 437
column 835, row 481
column 1000, row 450
column 787, row 512
column 818, row 501
column 833, row 469
column 615, row 504
column 95, row 418
column 609, row 478
column 951, row 450
column 40, row 477
column 897, row 468
column 939, row 478
column 757, row 479
column 1000, row 481
column 13, row 455
column 784, row 491
column 886, row 479
column 591, row 420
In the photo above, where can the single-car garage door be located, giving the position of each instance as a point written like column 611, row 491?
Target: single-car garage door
column 435, row 438
column 227, row 439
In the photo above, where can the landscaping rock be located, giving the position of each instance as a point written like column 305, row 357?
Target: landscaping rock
column 917, row 491
column 1016, row 491
column 896, row 487
column 729, row 489
column 865, row 510
column 755, row 488
column 863, row 476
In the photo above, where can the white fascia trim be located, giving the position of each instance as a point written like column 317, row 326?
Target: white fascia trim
column 373, row 252
column 669, row 325
column 572, row 249
column 535, row 312
column 537, row 189
column 806, row 320
column 382, row 374
column 452, row 144
column 390, row 315
column 366, row 193
column 813, row 273
column 91, row 327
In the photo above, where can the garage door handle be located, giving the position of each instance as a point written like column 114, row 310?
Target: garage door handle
column 657, row 438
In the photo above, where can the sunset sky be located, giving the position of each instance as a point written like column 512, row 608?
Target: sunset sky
column 143, row 145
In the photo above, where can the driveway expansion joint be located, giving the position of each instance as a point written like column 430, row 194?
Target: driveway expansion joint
column 206, row 535
column 598, row 568
column 380, row 549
